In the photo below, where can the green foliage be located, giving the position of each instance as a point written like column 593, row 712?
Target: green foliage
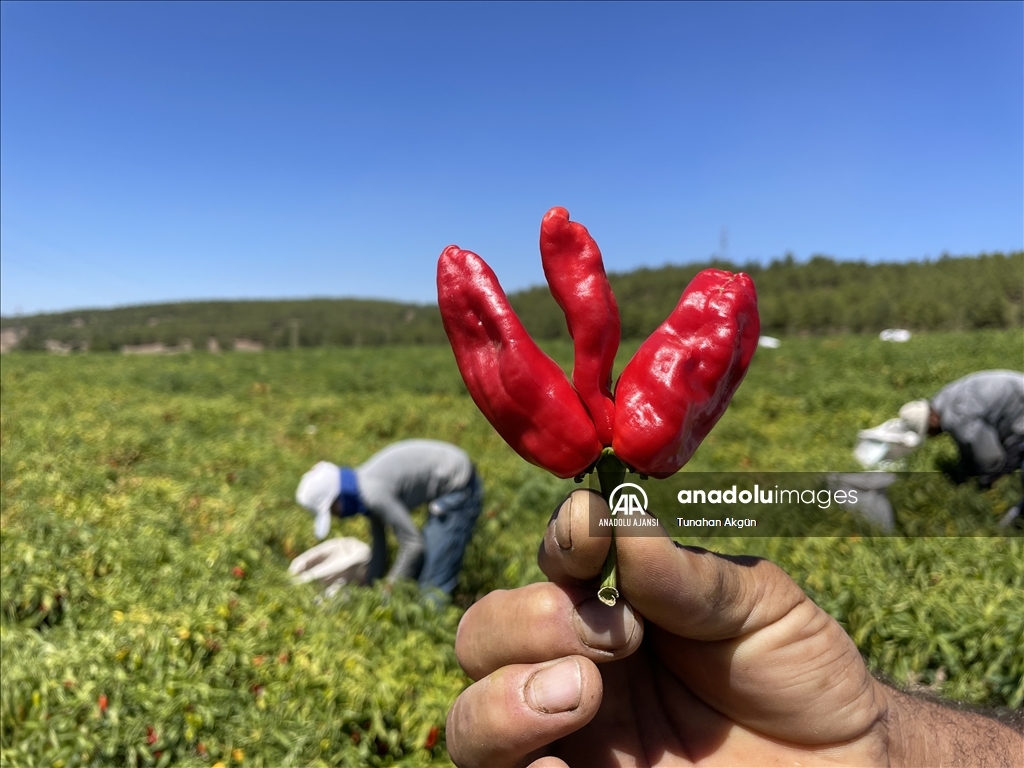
column 818, row 296
column 148, row 520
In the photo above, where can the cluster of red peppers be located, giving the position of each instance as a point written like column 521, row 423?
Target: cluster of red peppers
column 667, row 398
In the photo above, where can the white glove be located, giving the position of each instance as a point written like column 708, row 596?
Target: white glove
column 333, row 563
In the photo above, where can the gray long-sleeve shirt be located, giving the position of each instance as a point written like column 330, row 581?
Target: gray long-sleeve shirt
column 984, row 412
column 398, row 479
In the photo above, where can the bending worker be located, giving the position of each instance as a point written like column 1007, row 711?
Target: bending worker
column 385, row 488
column 984, row 413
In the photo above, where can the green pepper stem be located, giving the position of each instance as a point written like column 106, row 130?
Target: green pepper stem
column 611, row 472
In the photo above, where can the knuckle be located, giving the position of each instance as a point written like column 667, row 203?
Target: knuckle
column 546, row 606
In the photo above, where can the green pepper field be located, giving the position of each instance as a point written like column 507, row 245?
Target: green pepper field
column 148, row 519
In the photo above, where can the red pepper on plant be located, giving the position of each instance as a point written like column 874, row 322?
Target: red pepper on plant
column 431, row 739
column 667, row 399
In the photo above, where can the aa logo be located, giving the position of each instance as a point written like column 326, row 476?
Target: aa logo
column 624, row 501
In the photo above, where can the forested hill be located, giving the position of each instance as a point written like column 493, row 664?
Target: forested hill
column 823, row 295
column 818, row 296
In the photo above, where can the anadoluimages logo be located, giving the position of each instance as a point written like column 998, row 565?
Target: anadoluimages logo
column 627, row 502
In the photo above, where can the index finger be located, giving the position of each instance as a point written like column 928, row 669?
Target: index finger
column 568, row 554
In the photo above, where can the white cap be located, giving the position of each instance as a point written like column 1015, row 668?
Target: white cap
column 317, row 491
column 915, row 415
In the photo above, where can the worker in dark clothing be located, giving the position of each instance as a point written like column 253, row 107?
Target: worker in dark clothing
column 984, row 414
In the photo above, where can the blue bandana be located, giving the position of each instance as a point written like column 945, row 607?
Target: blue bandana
column 351, row 501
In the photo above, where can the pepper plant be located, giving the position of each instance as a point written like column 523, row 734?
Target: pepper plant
column 131, row 489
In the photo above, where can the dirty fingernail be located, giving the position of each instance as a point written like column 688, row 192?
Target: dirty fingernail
column 602, row 627
column 556, row 688
column 563, row 525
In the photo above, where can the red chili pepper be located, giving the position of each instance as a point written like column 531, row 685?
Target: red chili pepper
column 103, row 703
column 680, row 381
column 431, row 739
column 575, row 273
column 150, row 735
column 523, row 393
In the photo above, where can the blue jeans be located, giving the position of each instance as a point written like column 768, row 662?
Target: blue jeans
column 447, row 533
column 1020, row 504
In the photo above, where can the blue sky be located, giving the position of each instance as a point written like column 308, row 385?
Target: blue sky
column 153, row 152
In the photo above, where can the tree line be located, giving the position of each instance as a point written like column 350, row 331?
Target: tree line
column 274, row 324
column 818, row 296
column 823, row 295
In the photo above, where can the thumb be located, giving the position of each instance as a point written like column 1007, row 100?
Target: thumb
column 744, row 638
column 702, row 595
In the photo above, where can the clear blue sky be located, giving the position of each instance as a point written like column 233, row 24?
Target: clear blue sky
column 153, row 152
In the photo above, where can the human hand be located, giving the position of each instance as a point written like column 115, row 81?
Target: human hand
column 333, row 563
column 706, row 659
